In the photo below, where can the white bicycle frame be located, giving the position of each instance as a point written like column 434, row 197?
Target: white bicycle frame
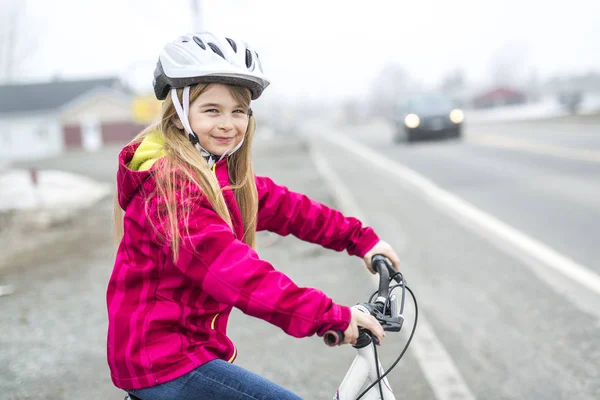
column 363, row 370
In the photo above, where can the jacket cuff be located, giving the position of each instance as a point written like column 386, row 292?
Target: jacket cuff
column 337, row 318
column 367, row 240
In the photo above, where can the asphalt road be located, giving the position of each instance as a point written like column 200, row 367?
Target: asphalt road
column 514, row 328
column 509, row 327
column 543, row 179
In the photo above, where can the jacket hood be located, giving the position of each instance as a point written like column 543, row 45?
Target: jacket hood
column 135, row 165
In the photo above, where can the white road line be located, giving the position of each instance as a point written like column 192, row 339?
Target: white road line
column 527, row 245
column 539, row 148
column 440, row 371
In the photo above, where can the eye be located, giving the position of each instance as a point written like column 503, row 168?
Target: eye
column 240, row 111
column 212, row 110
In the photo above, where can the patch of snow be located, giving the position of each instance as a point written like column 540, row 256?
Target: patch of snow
column 54, row 190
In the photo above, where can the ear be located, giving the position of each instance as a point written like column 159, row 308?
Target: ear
column 177, row 122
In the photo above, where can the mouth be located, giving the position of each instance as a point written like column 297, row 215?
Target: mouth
column 223, row 139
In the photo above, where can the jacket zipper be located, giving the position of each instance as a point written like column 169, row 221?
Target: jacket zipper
column 212, row 324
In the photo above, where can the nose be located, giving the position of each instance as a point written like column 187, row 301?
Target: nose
column 225, row 122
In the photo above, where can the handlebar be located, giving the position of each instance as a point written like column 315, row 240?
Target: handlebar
column 385, row 315
column 380, row 266
column 333, row 337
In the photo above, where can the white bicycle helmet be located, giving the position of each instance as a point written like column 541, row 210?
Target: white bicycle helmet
column 206, row 57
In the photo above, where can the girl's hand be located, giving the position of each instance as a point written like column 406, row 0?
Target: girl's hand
column 367, row 321
column 384, row 249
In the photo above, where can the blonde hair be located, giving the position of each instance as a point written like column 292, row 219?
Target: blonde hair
column 184, row 166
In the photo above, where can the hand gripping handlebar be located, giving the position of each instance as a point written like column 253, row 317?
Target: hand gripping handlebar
column 384, row 307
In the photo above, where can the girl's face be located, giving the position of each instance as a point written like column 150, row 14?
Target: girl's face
column 218, row 119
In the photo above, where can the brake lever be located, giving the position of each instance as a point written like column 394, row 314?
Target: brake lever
column 388, row 323
column 392, row 322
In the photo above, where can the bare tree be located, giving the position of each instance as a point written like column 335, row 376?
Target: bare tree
column 455, row 85
column 16, row 45
column 454, row 81
column 508, row 66
column 388, row 88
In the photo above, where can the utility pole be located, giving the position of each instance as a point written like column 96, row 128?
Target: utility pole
column 197, row 14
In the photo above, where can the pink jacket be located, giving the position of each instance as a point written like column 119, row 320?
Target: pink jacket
column 166, row 318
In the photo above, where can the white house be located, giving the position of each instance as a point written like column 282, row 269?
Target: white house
column 43, row 119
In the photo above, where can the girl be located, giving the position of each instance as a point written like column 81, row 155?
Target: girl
column 192, row 207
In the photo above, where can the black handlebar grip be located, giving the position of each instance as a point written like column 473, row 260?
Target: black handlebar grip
column 381, row 267
column 379, row 260
column 333, row 338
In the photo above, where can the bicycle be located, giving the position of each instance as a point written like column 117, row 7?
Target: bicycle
column 366, row 367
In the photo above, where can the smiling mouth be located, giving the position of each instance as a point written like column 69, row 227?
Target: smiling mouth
column 222, row 139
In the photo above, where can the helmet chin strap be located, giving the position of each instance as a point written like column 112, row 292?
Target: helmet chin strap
column 183, row 114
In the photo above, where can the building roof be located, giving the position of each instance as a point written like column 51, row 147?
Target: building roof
column 48, row 96
column 500, row 93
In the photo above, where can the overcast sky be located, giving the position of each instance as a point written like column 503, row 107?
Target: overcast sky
column 317, row 49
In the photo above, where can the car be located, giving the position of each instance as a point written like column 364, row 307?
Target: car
column 427, row 116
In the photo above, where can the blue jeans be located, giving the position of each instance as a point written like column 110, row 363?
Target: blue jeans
column 216, row 379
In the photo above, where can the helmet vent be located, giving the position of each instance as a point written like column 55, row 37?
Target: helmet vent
column 258, row 62
column 248, row 58
column 199, row 42
column 216, row 49
column 233, row 45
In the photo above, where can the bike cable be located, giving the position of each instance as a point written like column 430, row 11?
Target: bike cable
column 412, row 333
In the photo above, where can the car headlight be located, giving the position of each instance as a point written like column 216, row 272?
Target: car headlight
column 412, row 121
column 457, row 116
